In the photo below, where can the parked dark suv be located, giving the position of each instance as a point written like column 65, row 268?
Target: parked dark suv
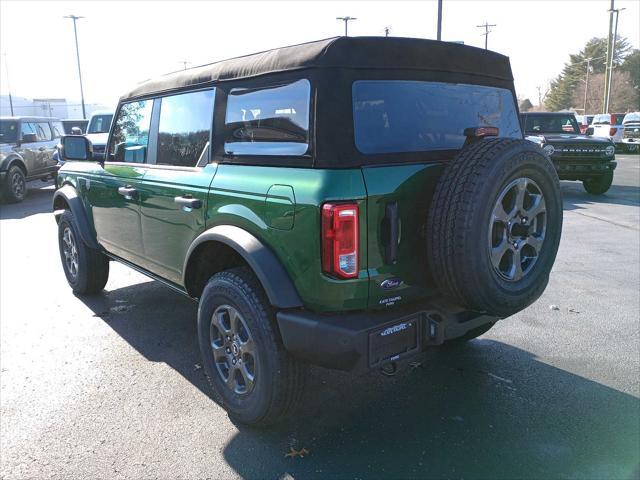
column 349, row 202
column 27, row 145
column 576, row 156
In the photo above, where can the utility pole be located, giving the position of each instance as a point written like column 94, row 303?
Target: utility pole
column 439, row 20
column 184, row 63
column 605, row 100
column 6, row 69
column 75, row 32
column 586, row 86
column 612, row 56
column 386, row 31
column 487, row 32
column 346, row 24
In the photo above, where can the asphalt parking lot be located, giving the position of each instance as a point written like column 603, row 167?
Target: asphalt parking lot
column 110, row 386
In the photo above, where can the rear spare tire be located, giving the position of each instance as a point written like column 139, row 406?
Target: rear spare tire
column 494, row 226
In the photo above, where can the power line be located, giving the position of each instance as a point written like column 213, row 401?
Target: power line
column 75, row 32
column 346, row 21
column 486, row 32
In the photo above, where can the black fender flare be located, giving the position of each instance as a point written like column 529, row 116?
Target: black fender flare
column 271, row 273
column 10, row 160
column 70, row 197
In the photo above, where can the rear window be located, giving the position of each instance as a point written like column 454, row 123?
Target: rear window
column 100, row 124
column 394, row 116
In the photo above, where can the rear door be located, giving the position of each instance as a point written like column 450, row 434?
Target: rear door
column 395, row 118
column 174, row 192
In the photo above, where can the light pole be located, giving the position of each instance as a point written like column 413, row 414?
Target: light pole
column 486, row 32
column 75, row 32
column 613, row 54
column 346, row 23
column 439, row 20
column 6, row 69
column 386, row 31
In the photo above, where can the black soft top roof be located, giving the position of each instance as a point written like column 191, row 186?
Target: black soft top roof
column 384, row 53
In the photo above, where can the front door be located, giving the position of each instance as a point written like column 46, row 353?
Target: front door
column 114, row 194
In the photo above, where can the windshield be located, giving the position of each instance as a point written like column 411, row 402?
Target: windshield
column 551, row 124
column 631, row 117
column 100, row 124
column 394, row 116
column 8, row 131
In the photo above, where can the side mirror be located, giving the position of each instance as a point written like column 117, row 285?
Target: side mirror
column 589, row 131
column 29, row 138
column 76, row 147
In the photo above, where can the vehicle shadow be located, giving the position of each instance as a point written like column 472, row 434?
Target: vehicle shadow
column 575, row 197
column 484, row 410
column 39, row 198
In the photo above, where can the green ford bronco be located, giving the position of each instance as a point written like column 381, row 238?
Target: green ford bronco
column 348, row 203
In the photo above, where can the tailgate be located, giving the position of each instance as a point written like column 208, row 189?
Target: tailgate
column 398, row 199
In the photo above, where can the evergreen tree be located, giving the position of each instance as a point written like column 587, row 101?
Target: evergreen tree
column 574, row 71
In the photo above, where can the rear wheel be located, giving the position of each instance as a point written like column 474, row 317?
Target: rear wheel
column 15, row 187
column 598, row 185
column 495, row 224
column 86, row 269
column 252, row 376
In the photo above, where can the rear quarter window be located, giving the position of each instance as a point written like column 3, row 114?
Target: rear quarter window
column 395, row 116
column 270, row 120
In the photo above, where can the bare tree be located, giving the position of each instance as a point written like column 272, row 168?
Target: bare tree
column 623, row 95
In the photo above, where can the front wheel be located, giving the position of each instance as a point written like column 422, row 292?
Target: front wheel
column 252, row 376
column 15, row 187
column 86, row 269
column 598, row 185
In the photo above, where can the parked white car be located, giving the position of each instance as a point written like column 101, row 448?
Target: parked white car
column 608, row 125
column 98, row 131
column 631, row 134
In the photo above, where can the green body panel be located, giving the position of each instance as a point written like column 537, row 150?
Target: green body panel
column 280, row 206
column 411, row 188
column 239, row 197
column 169, row 229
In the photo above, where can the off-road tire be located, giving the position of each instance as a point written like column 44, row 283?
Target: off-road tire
column 92, row 271
column 459, row 218
column 14, row 189
column 279, row 378
column 598, row 185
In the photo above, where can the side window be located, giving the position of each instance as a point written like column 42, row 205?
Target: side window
column 184, row 128
column 268, row 121
column 130, row 137
column 57, row 129
column 27, row 128
column 43, row 131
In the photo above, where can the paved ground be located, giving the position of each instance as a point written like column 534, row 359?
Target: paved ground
column 110, row 387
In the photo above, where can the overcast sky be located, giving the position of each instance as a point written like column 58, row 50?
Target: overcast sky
column 123, row 43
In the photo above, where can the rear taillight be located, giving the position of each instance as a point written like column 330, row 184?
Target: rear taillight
column 340, row 239
column 612, row 131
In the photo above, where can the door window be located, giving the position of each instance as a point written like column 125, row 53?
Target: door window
column 184, row 128
column 57, row 129
column 268, row 121
column 130, row 138
column 43, row 131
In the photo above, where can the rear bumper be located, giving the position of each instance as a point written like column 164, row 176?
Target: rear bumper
column 361, row 341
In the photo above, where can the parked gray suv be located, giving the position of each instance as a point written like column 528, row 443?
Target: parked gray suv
column 27, row 145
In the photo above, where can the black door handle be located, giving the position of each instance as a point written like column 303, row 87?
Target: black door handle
column 188, row 201
column 128, row 192
column 391, row 233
